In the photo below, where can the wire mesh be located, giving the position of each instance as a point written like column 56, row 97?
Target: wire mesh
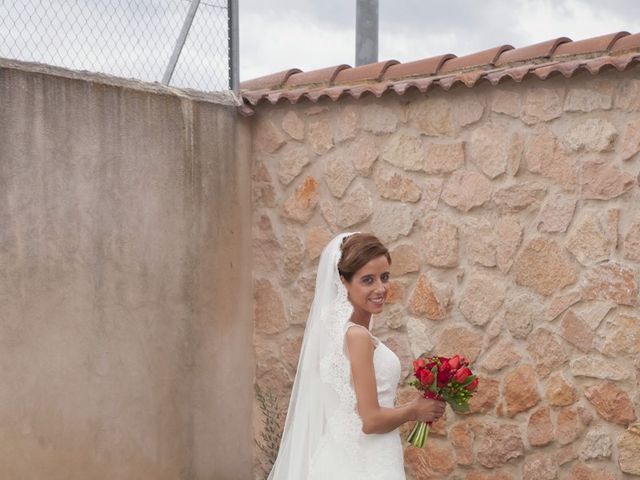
column 125, row 38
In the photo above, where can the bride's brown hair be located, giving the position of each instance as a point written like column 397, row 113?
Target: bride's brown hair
column 357, row 250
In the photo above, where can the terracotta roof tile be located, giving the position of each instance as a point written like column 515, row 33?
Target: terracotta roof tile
column 479, row 59
column 427, row 66
column 275, row 80
column 596, row 65
column 359, row 91
column 602, row 43
column 254, row 96
column 517, row 74
column 275, row 96
column 365, row 73
column 468, row 79
column 567, row 69
column 628, row 42
column 334, row 93
column 532, row 52
column 421, row 84
column 292, row 95
column 318, row 77
column 559, row 56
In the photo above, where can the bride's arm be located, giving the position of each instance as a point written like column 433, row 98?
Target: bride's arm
column 377, row 419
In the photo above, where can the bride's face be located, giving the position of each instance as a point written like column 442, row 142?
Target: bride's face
column 369, row 286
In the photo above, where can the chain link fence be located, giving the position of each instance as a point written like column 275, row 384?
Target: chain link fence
column 126, row 38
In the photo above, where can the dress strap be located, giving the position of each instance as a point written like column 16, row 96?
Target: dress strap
column 373, row 338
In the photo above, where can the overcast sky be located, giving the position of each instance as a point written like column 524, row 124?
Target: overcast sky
column 310, row 34
column 135, row 38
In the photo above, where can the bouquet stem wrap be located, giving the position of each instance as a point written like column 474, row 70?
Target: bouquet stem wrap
column 419, row 434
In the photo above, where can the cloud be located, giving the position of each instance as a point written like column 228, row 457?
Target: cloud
column 290, row 40
column 481, row 25
column 308, row 34
column 322, row 13
column 576, row 19
column 135, row 38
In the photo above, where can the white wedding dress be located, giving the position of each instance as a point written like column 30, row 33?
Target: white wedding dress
column 323, row 437
column 344, row 451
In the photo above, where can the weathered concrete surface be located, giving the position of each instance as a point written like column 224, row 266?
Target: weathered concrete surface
column 125, row 292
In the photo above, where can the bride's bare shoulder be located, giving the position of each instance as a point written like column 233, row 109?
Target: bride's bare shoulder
column 358, row 337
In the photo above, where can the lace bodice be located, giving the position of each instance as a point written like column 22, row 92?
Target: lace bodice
column 388, row 370
column 345, row 452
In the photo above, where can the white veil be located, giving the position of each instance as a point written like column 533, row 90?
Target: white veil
column 322, row 394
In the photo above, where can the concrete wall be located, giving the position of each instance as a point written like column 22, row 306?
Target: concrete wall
column 511, row 213
column 125, row 345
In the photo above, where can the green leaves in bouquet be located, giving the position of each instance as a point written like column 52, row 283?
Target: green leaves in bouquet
column 458, row 396
column 469, row 379
column 434, row 385
column 460, row 407
column 415, row 384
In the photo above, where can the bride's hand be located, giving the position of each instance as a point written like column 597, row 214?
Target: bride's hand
column 427, row 410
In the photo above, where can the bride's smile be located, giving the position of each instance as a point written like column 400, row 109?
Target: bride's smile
column 367, row 289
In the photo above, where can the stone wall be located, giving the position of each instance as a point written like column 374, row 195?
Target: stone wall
column 512, row 217
column 125, row 282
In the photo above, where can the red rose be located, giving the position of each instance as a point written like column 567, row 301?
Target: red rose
column 418, row 364
column 445, row 369
column 432, row 396
column 454, row 362
column 462, row 374
column 473, row 385
column 444, row 378
column 426, row 377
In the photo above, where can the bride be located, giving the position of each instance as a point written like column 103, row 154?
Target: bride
column 342, row 422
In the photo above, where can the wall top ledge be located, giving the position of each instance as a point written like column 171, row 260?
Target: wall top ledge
column 220, row 98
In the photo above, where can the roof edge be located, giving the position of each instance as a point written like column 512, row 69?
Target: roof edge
column 560, row 55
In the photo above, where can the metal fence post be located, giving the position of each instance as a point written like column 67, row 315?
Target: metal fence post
column 234, row 45
column 186, row 26
column 366, row 32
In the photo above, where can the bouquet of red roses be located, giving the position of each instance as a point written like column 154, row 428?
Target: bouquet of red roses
column 445, row 379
